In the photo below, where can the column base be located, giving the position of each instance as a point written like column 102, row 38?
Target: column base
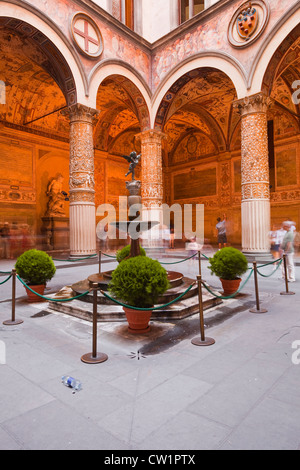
column 260, row 257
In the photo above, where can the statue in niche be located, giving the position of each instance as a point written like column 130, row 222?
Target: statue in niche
column 134, row 160
column 57, row 198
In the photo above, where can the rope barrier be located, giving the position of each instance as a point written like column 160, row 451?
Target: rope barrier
column 9, row 277
column 109, row 256
column 181, row 261
column 4, row 272
column 49, row 298
column 148, row 309
column 75, row 260
column 275, row 270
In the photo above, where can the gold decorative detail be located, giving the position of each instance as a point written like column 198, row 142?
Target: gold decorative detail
column 248, row 23
column 258, row 103
column 152, row 179
column 82, row 165
column 254, row 151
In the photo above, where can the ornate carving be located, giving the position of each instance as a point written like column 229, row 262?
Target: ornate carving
column 255, row 162
column 258, row 103
column 82, row 166
column 225, row 187
column 152, row 179
column 248, row 23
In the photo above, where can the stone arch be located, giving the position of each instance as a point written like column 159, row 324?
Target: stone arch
column 127, row 78
column 62, row 61
column 272, row 51
column 183, row 73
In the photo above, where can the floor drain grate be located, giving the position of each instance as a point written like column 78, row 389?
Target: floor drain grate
column 137, row 355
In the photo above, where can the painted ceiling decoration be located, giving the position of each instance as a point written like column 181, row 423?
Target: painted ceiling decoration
column 196, row 113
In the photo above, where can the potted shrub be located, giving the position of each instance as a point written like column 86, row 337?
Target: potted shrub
column 35, row 268
column 124, row 253
column 138, row 282
column 229, row 264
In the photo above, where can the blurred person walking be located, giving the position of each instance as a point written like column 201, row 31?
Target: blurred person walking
column 221, row 232
column 287, row 248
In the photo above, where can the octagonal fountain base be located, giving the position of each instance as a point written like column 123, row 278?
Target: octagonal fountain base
column 109, row 311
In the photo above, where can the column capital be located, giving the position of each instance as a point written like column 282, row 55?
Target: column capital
column 258, row 103
column 80, row 113
column 150, row 136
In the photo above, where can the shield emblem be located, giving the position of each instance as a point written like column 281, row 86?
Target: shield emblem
column 247, row 22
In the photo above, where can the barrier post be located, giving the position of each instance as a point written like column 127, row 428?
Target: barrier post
column 201, row 341
column 100, row 262
column 199, row 260
column 94, row 357
column 257, row 309
column 287, row 292
column 13, row 320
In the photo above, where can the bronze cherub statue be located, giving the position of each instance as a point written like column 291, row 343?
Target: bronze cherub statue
column 133, row 159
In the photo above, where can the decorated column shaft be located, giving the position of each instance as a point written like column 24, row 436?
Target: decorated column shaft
column 255, row 174
column 82, row 192
column 152, row 177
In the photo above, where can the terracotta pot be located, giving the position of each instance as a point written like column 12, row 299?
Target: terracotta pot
column 40, row 289
column 230, row 286
column 138, row 320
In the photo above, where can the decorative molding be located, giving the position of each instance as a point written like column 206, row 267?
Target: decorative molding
column 86, row 35
column 248, row 23
column 258, row 103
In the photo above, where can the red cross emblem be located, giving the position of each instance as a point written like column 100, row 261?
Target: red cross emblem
column 87, row 35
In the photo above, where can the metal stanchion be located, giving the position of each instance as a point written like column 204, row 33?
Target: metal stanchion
column 94, row 357
column 13, row 320
column 100, row 262
column 199, row 261
column 257, row 309
column 201, row 341
column 200, row 267
column 287, row 292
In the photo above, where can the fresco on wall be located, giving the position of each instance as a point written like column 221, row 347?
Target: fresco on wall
column 195, row 184
column 191, row 148
column 286, row 167
column 237, row 168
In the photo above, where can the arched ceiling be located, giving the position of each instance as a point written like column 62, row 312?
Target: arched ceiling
column 123, row 114
column 35, row 86
column 198, row 103
column 285, row 67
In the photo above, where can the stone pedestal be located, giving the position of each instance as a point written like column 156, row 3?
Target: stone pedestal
column 56, row 233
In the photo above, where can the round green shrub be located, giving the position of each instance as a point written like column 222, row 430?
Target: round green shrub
column 35, row 267
column 139, row 281
column 228, row 263
column 125, row 252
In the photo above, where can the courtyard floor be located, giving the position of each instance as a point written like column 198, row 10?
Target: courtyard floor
column 155, row 392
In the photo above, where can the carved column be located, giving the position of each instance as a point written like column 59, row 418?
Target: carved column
column 152, row 177
column 82, row 184
column 255, row 174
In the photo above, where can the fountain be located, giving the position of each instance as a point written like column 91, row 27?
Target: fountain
column 134, row 227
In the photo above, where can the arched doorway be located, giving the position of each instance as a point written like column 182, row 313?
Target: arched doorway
column 198, row 119
column 34, row 135
column 281, row 84
column 123, row 116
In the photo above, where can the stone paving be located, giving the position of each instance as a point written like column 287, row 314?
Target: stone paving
column 155, row 392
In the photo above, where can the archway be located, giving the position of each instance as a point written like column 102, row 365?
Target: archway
column 198, row 118
column 34, row 136
column 124, row 114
